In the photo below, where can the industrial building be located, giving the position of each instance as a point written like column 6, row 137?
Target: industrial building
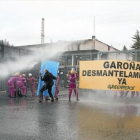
column 68, row 54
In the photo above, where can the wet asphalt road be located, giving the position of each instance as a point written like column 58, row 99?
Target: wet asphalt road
column 97, row 116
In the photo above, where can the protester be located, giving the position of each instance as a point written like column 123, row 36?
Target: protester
column 11, row 84
column 132, row 93
column 25, row 81
column 121, row 92
column 17, row 89
column 57, row 87
column 20, row 84
column 48, row 83
column 32, row 82
column 72, row 85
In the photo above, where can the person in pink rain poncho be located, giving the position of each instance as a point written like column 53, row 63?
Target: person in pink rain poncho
column 11, row 84
column 20, row 84
column 57, row 87
column 25, row 81
column 32, row 82
column 72, row 85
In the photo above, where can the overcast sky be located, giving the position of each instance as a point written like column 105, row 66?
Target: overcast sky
column 115, row 21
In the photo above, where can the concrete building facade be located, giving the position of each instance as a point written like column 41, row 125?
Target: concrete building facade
column 71, row 52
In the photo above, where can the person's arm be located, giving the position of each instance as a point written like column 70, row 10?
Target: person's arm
column 54, row 77
column 69, row 77
column 73, row 78
column 76, row 74
column 25, row 81
column 42, row 77
column 34, row 79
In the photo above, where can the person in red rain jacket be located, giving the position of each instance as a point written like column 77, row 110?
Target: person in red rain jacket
column 32, row 82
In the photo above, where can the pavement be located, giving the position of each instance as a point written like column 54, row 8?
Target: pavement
column 97, row 116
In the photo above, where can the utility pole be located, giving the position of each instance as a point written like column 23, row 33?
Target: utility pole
column 93, row 37
column 94, row 26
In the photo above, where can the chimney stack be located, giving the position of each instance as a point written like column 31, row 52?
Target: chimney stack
column 42, row 32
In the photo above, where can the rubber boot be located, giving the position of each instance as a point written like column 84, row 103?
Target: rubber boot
column 41, row 99
column 52, row 99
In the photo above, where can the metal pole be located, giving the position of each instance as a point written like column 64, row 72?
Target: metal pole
column 72, row 59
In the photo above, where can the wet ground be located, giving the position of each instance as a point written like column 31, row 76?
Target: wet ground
column 97, row 116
